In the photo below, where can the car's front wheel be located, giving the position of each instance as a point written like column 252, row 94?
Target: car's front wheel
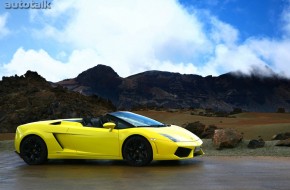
column 137, row 151
column 33, row 150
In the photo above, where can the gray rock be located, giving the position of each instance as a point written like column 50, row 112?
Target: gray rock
column 253, row 144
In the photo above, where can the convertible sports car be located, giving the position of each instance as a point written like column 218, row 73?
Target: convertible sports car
column 116, row 136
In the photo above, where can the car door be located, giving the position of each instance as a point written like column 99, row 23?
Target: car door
column 94, row 141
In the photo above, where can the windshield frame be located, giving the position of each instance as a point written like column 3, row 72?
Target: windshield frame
column 136, row 120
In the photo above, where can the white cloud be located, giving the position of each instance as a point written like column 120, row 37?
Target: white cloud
column 133, row 36
column 223, row 32
column 3, row 29
column 239, row 58
column 274, row 53
column 48, row 67
column 250, row 56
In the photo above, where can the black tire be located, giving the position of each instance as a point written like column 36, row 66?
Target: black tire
column 137, row 151
column 33, row 150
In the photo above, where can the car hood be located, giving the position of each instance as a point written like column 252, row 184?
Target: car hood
column 178, row 133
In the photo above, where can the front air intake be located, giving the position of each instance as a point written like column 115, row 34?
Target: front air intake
column 182, row 152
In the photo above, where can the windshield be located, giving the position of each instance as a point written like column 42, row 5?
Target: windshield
column 137, row 120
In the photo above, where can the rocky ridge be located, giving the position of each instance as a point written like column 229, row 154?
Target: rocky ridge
column 31, row 98
column 158, row 89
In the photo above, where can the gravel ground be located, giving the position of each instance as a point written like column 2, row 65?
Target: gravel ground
column 242, row 150
column 7, row 145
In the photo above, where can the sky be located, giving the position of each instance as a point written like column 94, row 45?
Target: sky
column 59, row 39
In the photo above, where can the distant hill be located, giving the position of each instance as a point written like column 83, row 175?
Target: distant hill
column 31, row 98
column 157, row 89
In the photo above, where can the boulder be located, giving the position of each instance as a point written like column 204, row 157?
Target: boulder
column 200, row 130
column 285, row 142
column 281, row 136
column 196, row 128
column 208, row 132
column 253, row 144
column 226, row 138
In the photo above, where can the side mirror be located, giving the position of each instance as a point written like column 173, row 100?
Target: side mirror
column 109, row 125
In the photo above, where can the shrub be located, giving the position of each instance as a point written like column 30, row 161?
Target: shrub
column 281, row 110
column 237, row 110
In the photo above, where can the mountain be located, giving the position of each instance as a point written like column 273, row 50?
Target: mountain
column 101, row 79
column 174, row 90
column 31, row 98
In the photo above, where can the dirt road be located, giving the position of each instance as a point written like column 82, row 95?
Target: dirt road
column 216, row 173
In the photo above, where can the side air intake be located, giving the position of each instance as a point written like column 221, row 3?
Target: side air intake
column 56, row 123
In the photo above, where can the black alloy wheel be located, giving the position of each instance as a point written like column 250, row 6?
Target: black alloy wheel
column 137, row 151
column 33, row 150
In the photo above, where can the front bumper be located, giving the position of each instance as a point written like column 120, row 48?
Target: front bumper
column 198, row 152
column 167, row 150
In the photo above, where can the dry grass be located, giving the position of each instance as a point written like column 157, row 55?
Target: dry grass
column 250, row 124
column 7, row 136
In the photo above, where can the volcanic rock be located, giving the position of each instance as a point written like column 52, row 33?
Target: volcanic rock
column 281, row 136
column 158, row 89
column 209, row 132
column 254, row 143
column 285, row 142
column 196, row 128
column 30, row 98
column 226, row 138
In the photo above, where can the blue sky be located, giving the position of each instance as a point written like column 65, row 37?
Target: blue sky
column 252, row 18
column 205, row 37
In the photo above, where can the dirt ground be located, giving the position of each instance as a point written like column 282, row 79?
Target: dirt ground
column 250, row 124
column 7, row 136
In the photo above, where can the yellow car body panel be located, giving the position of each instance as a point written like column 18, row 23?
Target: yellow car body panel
column 69, row 139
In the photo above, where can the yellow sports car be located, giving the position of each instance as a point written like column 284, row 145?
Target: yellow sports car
column 116, row 136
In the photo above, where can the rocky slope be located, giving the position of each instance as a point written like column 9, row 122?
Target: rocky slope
column 173, row 90
column 31, row 98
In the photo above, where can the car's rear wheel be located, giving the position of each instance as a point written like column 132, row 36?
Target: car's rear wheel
column 137, row 151
column 33, row 150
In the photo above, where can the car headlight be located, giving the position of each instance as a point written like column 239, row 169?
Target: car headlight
column 169, row 137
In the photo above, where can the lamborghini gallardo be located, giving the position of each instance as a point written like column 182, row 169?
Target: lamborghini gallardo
column 114, row 136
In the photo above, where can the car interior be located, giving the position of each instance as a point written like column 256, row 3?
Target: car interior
column 93, row 122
